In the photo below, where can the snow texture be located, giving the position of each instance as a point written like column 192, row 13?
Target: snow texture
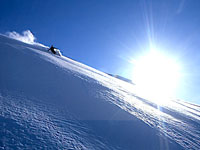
column 53, row 102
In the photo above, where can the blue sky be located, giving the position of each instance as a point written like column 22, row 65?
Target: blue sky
column 107, row 34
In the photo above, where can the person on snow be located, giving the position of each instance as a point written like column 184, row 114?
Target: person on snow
column 52, row 49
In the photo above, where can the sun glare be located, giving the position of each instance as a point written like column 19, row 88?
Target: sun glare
column 156, row 76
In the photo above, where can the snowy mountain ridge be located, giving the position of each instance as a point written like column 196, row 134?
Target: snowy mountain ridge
column 121, row 78
column 53, row 102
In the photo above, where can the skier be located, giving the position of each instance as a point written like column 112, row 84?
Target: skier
column 52, row 49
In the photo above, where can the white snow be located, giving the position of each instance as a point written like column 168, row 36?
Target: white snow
column 53, row 102
column 26, row 37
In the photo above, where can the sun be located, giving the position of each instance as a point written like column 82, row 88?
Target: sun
column 156, row 75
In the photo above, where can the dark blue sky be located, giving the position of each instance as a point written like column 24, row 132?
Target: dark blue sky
column 106, row 34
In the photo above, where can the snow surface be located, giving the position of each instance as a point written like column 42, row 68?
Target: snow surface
column 53, row 102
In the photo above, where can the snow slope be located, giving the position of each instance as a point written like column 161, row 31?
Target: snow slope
column 52, row 102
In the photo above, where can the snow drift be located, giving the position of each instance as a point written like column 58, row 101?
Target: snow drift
column 53, row 102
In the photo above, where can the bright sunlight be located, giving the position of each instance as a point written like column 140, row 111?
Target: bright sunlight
column 156, row 76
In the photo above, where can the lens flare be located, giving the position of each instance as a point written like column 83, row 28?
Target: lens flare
column 156, row 76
